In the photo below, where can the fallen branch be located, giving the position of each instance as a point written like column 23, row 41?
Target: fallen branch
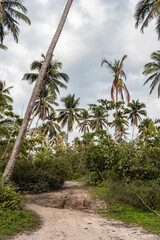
column 147, row 205
column 101, row 175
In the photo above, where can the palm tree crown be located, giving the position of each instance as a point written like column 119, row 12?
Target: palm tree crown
column 98, row 118
column 145, row 11
column 70, row 113
column 10, row 11
column 134, row 111
column 84, row 121
column 118, row 84
column 50, row 126
column 52, row 78
column 153, row 69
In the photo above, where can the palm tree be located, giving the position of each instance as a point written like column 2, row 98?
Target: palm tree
column 146, row 128
column 153, row 69
column 135, row 110
column 121, row 122
column 43, row 106
column 70, row 113
column 10, row 11
column 5, row 98
column 118, row 84
column 50, row 127
column 21, row 135
column 98, row 118
column 52, row 78
column 147, row 10
column 84, row 121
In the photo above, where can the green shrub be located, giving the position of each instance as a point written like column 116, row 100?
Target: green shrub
column 122, row 162
column 72, row 162
column 10, row 198
column 43, row 173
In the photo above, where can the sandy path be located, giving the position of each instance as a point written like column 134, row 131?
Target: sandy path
column 69, row 224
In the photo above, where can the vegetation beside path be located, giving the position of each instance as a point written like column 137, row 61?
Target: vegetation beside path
column 135, row 216
column 13, row 217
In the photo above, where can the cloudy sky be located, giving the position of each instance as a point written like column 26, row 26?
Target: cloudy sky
column 95, row 29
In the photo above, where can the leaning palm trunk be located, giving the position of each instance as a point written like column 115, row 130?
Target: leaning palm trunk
column 21, row 135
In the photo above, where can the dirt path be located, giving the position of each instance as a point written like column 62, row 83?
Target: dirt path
column 70, row 214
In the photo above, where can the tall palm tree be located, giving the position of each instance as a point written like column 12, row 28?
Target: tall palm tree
column 135, row 110
column 118, row 84
column 18, row 143
column 147, row 10
column 84, row 121
column 70, row 113
column 153, row 69
column 10, row 11
column 98, row 118
column 52, row 78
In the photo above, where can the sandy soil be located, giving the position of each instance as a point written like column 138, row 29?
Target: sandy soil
column 70, row 214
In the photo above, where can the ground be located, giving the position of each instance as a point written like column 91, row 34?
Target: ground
column 71, row 214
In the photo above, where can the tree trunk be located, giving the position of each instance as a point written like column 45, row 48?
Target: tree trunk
column 21, row 135
column 133, row 133
column 116, row 116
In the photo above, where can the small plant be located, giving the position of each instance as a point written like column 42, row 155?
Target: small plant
column 10, row 198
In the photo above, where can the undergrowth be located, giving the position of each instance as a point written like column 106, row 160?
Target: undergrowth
column 13, row 222
column 137, row 216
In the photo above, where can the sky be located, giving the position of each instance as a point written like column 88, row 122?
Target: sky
column 95, row 29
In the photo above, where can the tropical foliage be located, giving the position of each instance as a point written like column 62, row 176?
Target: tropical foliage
column 70, row 113
column 153, row 69
column 134, row 111
column 10, row 12
column 147, row 10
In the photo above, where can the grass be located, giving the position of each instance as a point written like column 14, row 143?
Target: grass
column 140, row 217
column 13, row 222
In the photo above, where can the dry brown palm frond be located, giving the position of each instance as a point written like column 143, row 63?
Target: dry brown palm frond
column 123, row 74
column 109, row 65
column 127, row 93
column 112, row 91
column 122, row 60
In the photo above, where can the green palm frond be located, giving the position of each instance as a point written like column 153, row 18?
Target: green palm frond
column 2, row 46
column 10, row 12
column 145, row 11
column 53, row 78
column 153, row 69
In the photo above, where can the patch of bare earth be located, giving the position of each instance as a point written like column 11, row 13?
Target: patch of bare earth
column 70, row 214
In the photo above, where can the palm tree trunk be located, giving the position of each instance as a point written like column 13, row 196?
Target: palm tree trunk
column 5, row 151
column 21, row 135
column 133, row 133
column 67, row 136
column 116, row 116
column 31, row 121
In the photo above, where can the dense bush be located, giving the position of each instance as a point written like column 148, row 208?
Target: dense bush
column 73, row 160
column 43, row 173
column 122, row 162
